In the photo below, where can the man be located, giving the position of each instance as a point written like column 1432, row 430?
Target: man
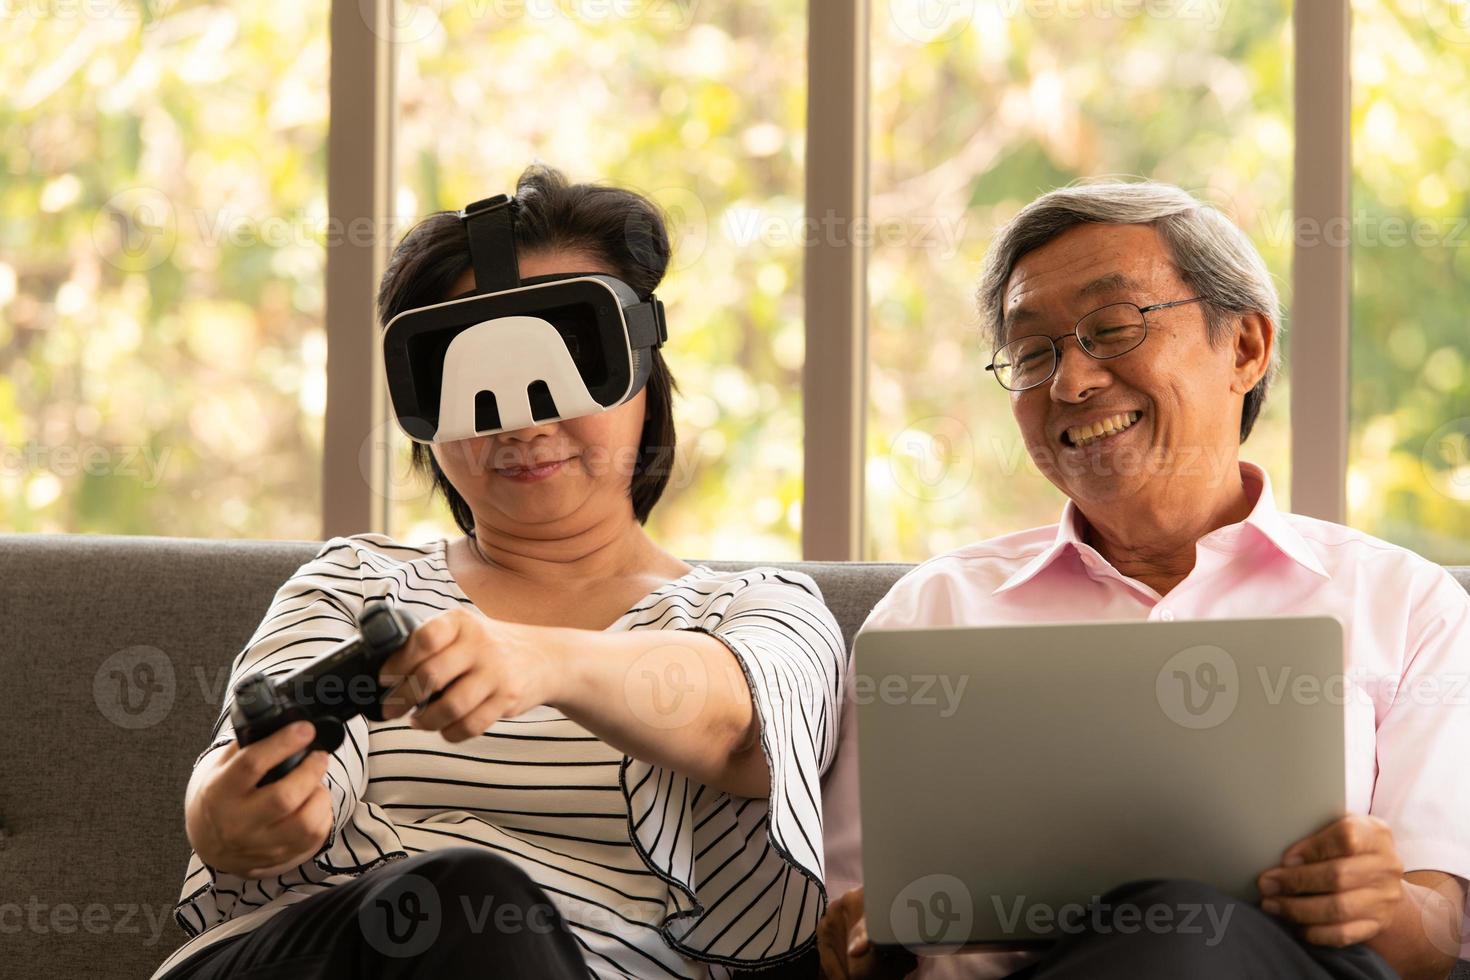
column 1136, row 331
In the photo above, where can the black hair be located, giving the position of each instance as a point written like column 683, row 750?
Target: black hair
column 621, row 229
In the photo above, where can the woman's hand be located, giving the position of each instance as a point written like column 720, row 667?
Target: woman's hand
column 255, row 831
column 482, row 670
column 846, row 953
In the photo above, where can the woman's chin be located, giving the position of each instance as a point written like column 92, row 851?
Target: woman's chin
column 540, row 504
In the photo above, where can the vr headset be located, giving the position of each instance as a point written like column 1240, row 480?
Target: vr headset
column 517, row 353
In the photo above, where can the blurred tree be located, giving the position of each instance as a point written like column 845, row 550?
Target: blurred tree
column 161, row 347
column 1409, row 460
column 976, row 115
column 164, row 236
column 701, row 107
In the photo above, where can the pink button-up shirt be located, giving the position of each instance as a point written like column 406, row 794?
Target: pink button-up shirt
column 1406, row 626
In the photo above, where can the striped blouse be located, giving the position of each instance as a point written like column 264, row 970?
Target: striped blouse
column 655, row 874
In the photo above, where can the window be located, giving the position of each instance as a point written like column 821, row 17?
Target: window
column 162, row 260
column 162, row 360
column 972, row 118
column 1409, row 231
column 701, row 107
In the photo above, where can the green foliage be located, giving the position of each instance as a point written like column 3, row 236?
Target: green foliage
column 1030, row 103
column 977, row 123
column 707, row 118
column 1409, row 462
column 163, row 238
column 160, row 285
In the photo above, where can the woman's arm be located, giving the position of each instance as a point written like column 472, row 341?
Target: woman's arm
column 673, row 698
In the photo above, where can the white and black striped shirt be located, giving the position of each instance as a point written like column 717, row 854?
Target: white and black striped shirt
column 655, row 874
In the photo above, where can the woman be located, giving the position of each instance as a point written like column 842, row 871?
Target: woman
column 621, row 775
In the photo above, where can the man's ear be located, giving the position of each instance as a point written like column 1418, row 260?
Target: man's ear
column 1255, row 340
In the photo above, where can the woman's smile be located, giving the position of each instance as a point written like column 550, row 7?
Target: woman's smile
column 532, row 474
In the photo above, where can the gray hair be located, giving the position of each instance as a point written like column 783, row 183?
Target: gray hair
column 1213, row 257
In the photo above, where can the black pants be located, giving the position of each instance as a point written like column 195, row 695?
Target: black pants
column 443, row 914
column 1192, row 933
column 1170, row 929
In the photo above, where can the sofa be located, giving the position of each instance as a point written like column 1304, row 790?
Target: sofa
column 112, row 671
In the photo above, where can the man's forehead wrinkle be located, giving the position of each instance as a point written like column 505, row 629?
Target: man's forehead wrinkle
column 1026, row 278
column 1103, row 262
column 1113, row 282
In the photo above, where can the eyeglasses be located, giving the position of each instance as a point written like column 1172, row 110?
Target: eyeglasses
column 1111, row 331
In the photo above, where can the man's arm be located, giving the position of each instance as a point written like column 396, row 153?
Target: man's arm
column 1423, row 940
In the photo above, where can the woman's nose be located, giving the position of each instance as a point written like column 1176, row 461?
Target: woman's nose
column 530, row 432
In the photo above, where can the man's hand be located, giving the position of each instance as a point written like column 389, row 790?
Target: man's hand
column 846, row 954
column 1346, row 884
column 1341, row 886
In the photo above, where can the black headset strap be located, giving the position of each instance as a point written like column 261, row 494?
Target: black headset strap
column 646, row 326
column 491, row 227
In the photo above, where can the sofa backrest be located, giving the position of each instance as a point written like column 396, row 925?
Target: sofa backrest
column 113, row 668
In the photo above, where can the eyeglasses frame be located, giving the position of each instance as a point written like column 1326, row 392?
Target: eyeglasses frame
column 1056, row 346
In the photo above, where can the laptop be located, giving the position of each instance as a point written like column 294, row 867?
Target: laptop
column 1009, row 776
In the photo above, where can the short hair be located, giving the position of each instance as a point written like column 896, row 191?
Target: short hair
column 621, row 229
column 1213, row 257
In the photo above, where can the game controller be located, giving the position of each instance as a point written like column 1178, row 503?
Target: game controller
column 334, row 688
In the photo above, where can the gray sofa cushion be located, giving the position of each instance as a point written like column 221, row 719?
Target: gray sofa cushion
column 112, row 669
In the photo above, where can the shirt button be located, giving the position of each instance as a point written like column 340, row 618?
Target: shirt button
column 1167, row 615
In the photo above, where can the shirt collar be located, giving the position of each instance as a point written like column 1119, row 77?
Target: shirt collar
column 1272, row 524
column 1068, row 538
column 1264, row 517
